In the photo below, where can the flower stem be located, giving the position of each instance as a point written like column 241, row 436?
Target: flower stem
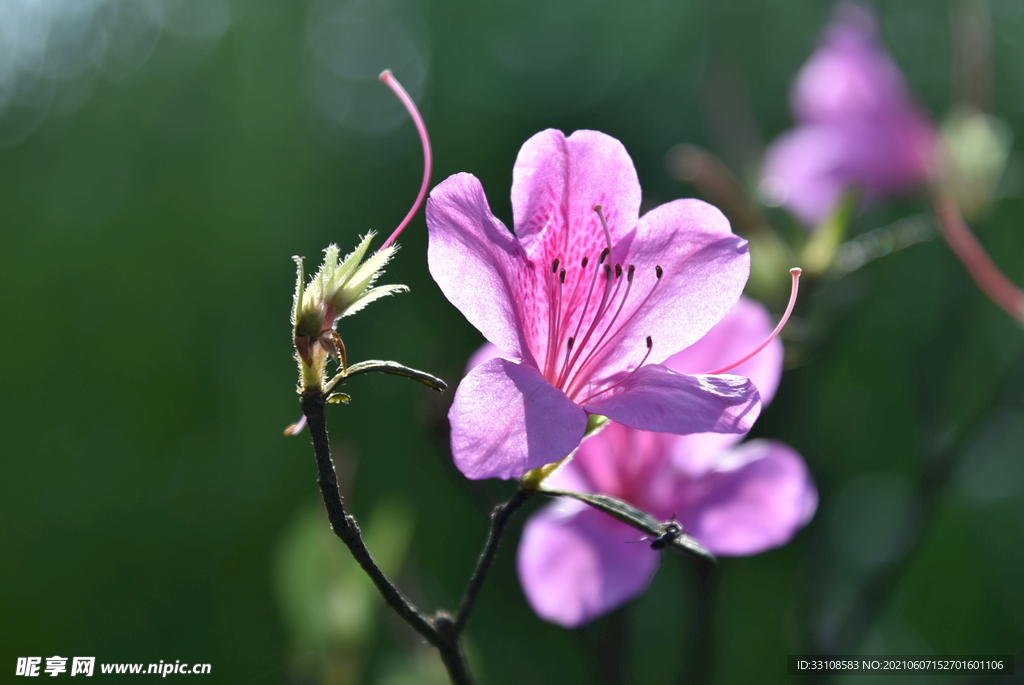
column 344, row 524
column 442, row 630
column 972, row 255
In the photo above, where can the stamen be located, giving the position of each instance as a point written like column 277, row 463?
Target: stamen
column 650, row 346
column 785, row 317
column 410, row 106
column 554, row 318
column 583, row 314
column 658, row 272
column 594, row 352
column 597, row 316
column 604, row 225
column 568, row 351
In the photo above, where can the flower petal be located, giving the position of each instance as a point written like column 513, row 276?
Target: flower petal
column 803, row 171
column 655, row 398
column 759, row 495
column 506, row 419
column 620, row 462
column 698, row 453
column 575, row 563
column 556, row 183
column 849, row 76
column 744, row 328
column 704, row 268
column 486, row 351
column 476, row 262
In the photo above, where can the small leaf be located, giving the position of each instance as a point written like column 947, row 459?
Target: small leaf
column 667, row 533
column 685, row 543
column 615, row 507
column 394, row 368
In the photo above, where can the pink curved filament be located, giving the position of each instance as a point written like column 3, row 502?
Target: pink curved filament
column 795, row 273
column 394, row 85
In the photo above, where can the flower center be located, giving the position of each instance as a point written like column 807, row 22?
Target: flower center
column 585, row 317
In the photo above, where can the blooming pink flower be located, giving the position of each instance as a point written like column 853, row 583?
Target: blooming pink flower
column 583, row 304
column 859, row 127
column 575, row 562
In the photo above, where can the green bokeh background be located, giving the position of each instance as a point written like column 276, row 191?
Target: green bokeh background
column 152, row 509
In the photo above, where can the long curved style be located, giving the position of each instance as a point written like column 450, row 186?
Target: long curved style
column 391, row 82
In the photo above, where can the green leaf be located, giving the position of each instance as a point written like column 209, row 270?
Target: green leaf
column 393, row 368
column 667, row 533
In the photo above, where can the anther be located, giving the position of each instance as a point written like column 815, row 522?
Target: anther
column 554, row 267
column 561, row 276
column 604, row 255
column 650, row 345
column 658, row 271
column 571, row 342
column 584, row 263
column 618, row 270
column 629, row 274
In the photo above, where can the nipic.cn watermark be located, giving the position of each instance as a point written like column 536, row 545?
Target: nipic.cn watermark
column 34, row 666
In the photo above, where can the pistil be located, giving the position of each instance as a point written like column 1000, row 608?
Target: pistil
column 795, row 273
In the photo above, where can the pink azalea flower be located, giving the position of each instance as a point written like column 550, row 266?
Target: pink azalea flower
column 583, row 302
column 859, row 127
column 576, row 563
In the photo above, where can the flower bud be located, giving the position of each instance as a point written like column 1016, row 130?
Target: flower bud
column 338, row 289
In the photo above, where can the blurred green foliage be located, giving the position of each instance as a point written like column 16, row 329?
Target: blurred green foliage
column 147, row 220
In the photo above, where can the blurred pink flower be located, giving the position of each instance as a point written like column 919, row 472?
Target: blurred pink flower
column 859, row 128
column 575, row 562
column 583, row 304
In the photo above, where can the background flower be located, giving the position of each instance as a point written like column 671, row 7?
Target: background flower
column 859, row 128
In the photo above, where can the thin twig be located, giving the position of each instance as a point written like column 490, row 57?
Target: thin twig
column 345, row 526
column 701, row 666
column 972, row 255
column 442, row 630
column 499, row 519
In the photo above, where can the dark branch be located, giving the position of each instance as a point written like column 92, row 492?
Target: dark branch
column 499, row 519
column 345, row 526
column 442, row 630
